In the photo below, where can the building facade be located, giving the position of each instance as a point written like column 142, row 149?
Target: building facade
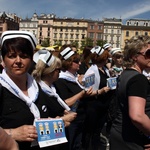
column 30, row 25
column 65, row 30
column 8, row 22
column 112, row 31
column 45, row 28
column 134, row 27
column 69, row 31
column 95, row 31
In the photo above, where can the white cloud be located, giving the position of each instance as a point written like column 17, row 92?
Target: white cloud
column 137, row 10
column 96, row 9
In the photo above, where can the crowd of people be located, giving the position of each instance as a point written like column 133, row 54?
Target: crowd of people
column 38, row 84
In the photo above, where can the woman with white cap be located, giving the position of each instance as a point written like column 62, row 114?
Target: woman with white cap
column 117, row 62
column 22, row 99
column 67, row 86
column 108, row 47
column 97, row 107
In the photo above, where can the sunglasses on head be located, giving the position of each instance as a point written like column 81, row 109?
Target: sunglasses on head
column 146, row 54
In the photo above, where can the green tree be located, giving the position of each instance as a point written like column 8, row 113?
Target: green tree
column 86, row 42
column 100, row 42
column 45, row 42
column 75, row 43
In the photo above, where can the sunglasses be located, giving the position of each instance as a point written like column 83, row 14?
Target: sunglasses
column 146, row 54
column 76, row 61
column 58, row 69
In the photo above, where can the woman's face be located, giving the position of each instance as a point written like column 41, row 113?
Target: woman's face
column 143, row 60
column 16, row 63
column 118, row 60
column 75, row 65
column 55, row 74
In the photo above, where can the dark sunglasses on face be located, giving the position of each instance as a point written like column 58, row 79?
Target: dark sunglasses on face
column 146, row 54
column 58, row 69
column 76, row 61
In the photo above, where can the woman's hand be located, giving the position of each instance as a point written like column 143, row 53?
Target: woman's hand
column 147, row 147
column 106, row 89
column 7, row 142
column 80, row 77
column 68, row 117
column 24, row 133
column 88, row 92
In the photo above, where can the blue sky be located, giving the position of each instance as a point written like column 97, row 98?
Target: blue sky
column 94, row 9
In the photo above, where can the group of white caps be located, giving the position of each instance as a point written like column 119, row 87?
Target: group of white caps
column 99, row 50
column 45, row 55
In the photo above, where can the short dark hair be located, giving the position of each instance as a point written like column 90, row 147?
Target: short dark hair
column 17, row 44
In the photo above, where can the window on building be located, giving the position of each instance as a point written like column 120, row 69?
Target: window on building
column 127, row 33
column 77, row 23
column 117, row 44
column 44, row 21
column 136, row 33
column 40, row 33
column 61, row 29
column 66, row 29
column 28, row 25
column 55, row 35
column 71, row 36
column 77, row 36
column 118, row 38
column 111, row 37
column 61, row 35
column 77, row 30
column 66, row 36
column 91, row 35
column 83, row 36
column 99, row 36
column 99, row 27
column 146, row 33
column 33, row 31
column 92, row 27
column 48, row 34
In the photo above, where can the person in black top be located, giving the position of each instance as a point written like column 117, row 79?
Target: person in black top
column 131, row 128
column 67, row 86
column 85, row 60
column 97, row 106
column 22, row 99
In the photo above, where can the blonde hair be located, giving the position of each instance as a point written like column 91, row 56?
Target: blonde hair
column 42, row 69
column 133, row 46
